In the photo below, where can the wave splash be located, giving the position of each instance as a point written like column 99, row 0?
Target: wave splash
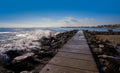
column 25, row 40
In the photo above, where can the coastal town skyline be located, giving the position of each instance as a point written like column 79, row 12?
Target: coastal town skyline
column 45, row 13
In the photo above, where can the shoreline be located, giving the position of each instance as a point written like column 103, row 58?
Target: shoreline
column 37, row 58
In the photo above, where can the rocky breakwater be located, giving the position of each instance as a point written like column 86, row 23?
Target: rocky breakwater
column 24, row 61
column 106, row 55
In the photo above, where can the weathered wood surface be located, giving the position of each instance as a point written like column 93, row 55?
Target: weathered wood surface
column 74, row 57
column 62, row 69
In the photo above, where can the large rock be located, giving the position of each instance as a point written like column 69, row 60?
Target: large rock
column 24, row 72
column 13, row 53
column 101, row 46
column 46, row 48
column 97, row 50
column 4, row 59
column 22, row 57
column 3, row 70
column 45, row 41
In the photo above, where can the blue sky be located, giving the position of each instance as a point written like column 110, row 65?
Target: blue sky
column 20, row 13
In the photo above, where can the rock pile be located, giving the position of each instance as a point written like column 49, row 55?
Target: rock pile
column 109, row 32
column 22, row 61
column 106, row 55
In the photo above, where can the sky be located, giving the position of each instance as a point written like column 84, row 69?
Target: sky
column 58, row 13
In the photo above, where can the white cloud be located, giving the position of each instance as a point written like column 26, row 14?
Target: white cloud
column 49, row 22
column 70, row 21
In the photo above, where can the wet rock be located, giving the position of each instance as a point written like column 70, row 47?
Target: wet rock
column 107, row 41
column 110, row 49
column 56, row 45
column 24, row 72
column 45, row 41
column 101, row 46
column 17, row 67
column 46, row 48
column 104, row 68
column 4, row 59
column 3, row 70
column 44, row 54
column 97, row 50
column 22, row 57
column 35, row 50
column 13, row 53
column 93, row 46
column 99, row 42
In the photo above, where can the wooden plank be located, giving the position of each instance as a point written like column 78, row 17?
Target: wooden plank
column 72, row 50
column 77, row 37
column 75, row 56
column 80, row 64
column 79, row 47
column 77, row 42
column 60, row 69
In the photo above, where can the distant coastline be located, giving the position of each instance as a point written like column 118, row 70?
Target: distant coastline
column 99, row 26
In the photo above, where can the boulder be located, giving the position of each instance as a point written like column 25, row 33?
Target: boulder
column 46, row 48
column 4, row 59
column 55, row 45
column 45, row 41
column 22, row 57
column 24, row 72
column 13, row 53
column 97, row 50
column 3, row 70
column 101, row 46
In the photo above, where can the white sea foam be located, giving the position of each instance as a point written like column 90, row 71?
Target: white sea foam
column 5, row 32
column 25, row 40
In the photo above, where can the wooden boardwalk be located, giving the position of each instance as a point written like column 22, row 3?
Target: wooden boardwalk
column 74, row 57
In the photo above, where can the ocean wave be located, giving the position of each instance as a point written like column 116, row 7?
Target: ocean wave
column 5, row 32
column 25, row 40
